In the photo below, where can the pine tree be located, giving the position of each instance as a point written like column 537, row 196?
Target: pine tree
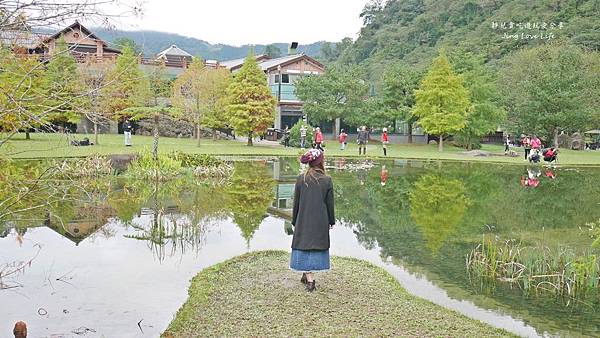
column 126, row 86
column 251, row 106
column 22, row 94
column 199, row 92
column 65, row 89
column 442, row 101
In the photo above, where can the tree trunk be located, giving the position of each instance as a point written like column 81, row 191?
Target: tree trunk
column 27, row 136
column 155, row 141
column 214, row 132
column 469, row 146
column 198, row 132
column 95, row 133
column 250, row 138
column 336, row 127
column 555, row 137
column 410, row 133
column 441, row 143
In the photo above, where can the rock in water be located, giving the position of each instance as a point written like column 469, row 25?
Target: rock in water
column 476, row 153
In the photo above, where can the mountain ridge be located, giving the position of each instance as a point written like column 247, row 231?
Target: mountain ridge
column 153, row 42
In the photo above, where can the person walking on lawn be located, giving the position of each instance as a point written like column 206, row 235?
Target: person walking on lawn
column 363, row 138
column 303, row 136
column 127, row 128
column 312, row 217
column 342, row 138
column 526, row 142
column 318, row 139
column 384, row 141
column 536, row 143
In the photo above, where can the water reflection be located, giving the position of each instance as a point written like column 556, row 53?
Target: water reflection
column 417, row 219
column 438, row 206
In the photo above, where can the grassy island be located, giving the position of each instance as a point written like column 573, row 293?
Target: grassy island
column 257, row 295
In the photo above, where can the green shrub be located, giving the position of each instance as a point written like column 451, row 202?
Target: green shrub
column 295, row 135
column 145, row 167
column 196, row 160
column 462, row 141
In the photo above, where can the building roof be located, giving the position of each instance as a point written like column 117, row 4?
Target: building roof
column 268, row 64
column 237, row 63
column 272, row 64
column 23, row 39
column 173, row 51
column 72, row 27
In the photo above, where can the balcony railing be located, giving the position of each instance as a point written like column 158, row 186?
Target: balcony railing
column 112, row 57
column 288, row 92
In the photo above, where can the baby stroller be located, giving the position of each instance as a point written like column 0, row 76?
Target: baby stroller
column 534, row 156
column 550, row 155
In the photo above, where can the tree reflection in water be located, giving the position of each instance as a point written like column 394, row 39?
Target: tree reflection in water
column 249, row 195
column 438, row 205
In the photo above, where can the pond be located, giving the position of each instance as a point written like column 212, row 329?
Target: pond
column 115, row 256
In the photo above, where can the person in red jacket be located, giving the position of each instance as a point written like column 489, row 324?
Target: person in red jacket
column 384, row 141
column 319, row 139
column 342, row 138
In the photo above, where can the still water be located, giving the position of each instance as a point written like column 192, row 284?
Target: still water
column 117, row 261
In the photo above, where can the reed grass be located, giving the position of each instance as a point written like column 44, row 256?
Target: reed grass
column 539, row 269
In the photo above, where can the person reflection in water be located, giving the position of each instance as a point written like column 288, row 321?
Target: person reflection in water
column 383, row 175
column 313, row 216
column 532, row 179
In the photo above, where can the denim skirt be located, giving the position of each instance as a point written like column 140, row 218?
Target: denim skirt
column 309, row 260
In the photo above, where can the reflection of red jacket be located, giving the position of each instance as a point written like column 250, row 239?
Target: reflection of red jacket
column 384, row 137
column 384, row 176
column 319, row 137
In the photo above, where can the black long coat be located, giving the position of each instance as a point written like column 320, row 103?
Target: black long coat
column 313, row 212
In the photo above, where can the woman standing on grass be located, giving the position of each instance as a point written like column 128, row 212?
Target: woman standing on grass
column 312, row 218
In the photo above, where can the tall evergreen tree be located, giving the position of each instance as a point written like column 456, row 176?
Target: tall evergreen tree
column 442, row 101
column 126, row 86
column 65, row 90
column 251, row 106
column 399, row 84
column 487, row 113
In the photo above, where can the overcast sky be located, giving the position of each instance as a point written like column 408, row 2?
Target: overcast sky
column 238, row 22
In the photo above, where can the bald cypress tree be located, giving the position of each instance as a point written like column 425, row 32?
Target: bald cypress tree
column 251, row 106
column 127, row 86
column 442, row 101
column 65, row 90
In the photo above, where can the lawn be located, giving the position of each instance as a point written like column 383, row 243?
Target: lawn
column 55, row 145
column 257, row 295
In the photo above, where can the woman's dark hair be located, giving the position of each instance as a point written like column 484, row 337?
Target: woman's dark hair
column 312, row 170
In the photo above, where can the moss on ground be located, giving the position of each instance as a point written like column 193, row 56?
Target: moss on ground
column 257, row 295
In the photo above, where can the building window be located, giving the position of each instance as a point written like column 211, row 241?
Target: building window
column 285, row 78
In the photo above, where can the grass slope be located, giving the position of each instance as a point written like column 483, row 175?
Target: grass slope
column 257, row 295
column 54, row 145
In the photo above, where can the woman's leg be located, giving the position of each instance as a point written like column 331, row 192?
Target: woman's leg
column 309, row 277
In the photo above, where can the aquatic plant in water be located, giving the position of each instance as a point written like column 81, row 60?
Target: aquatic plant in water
column 92, row 166
column 562, row 272
column 176, row 164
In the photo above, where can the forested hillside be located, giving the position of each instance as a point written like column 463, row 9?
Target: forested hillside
column 414, row 30
column 153, row 42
